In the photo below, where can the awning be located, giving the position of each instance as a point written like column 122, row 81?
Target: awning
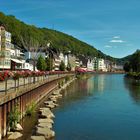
column 17, row 61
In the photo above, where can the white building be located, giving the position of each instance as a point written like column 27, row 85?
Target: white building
column 28, row 66
column 77, row 62
column 17, row 58
column 90, row 65
column 72, row 61
column 5, row 47
column 66, row 60
column 116, row 67
column 58, row 60
column 101, row 65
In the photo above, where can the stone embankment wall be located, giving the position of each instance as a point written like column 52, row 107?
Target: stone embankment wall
column 44, row 127
column 23, row 99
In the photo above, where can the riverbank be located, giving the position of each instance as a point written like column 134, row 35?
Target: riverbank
column 45, row 119
column 133, row 75
column 31, row 124
column 115, row 72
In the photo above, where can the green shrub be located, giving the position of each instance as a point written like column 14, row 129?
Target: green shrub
column 30, row 109
column 135, row 75
column 14, row 118
column 60, row 83
column 67, row 78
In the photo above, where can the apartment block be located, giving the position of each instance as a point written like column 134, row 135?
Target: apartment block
column 5, row 47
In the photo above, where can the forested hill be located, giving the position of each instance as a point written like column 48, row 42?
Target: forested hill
column 123, row 60
column 29, row 36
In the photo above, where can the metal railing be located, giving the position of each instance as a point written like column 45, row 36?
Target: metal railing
column 11, row 85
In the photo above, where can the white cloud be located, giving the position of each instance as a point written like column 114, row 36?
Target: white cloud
column 116, row 41
column 116, row 37
column 108, row 46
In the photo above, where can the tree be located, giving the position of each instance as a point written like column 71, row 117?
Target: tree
column 49, row 62
column 68, row 67
column 41, row 64
column 28, row 37
column 135, row 61
column 62, row 66
column 127, row 67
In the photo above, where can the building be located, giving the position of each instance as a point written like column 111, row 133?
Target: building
column 72, row 61
column 28, row 66
column 11, row 56
column 17, row 58
column 77, row 62
column 83, row 61
column 108, row 65
column 116, row 67
column 90, row 66
column 66, row 61
column 34, row 55
column 101, row 65
column 95, row 64
column 5, row 47
column 57, row 61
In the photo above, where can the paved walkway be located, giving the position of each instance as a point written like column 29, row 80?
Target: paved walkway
column 23, row 83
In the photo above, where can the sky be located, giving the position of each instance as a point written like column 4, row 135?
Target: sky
column 112, row 26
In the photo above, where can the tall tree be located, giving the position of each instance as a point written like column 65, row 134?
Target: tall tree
column 49, row 62
column 62, row 66
column 41, row 64
column 68, row 67
column 127, row 67
column 135, row 61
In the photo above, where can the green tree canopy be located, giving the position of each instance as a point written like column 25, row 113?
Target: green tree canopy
column 127, row 67
column 41, row 64
column 49, row 62
column 68, row 67
column 134, row 63
column 29, row 36
column 62, row 66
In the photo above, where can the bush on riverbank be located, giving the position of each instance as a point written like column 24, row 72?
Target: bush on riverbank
column 83, row 76
column 67, row 78
column 135, row 75
column 61, row 83
column 30, row 109
column 14, row 118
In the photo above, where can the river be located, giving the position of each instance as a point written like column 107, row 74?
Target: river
column 103, row 107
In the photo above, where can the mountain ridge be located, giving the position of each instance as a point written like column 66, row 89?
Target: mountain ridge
column 29, row 36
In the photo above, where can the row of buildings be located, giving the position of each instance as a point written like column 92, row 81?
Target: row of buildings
column 14, row 58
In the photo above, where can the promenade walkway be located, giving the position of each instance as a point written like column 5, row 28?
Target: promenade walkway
column 25, row 83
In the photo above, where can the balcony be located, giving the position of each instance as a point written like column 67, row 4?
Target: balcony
column 4, row 54
column 6, row 45
column 17, row 57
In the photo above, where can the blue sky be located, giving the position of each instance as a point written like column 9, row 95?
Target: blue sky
column 112, row 26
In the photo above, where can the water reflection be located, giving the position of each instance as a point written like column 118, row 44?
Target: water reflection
column 134, row 88
column 80, row 89
column 85, row 88
column 99, row 108
column 99, row 83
